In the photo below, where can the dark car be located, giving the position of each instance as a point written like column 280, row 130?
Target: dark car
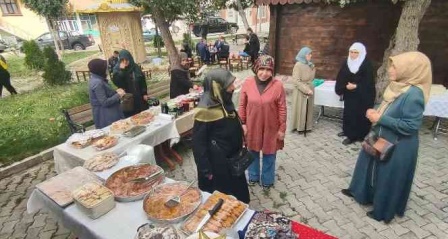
column 70, row 40
column 215, row 25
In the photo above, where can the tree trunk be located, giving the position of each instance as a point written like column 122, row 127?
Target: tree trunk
column 404, row 39
column 173, row 55
column 159, row 50
column 61, row 45
column 242, row 13
column 51, row 27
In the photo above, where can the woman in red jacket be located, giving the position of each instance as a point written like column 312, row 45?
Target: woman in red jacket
column 262, row 111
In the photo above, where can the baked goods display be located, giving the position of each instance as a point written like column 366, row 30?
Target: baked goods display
column 226, row 217
column 79, row 140
column 60, row 187
column 126, row 190
column 94, row 199
column 206, row 235
column 105, row 142
column 154, row 203
column 120, row 126
column 142, row 118
column 101, row 162
column 150, row 231
column 95, row 134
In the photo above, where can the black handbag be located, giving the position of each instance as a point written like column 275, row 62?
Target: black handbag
column 377, row 146
column 239, row 162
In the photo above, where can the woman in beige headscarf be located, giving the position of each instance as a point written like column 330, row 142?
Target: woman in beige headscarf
column 386, row 184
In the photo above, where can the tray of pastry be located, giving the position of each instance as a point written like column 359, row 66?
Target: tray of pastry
column 94, row 199
column 134, row 131
column 60, row 187
column 228, row 215
column 118, row 127
column 105, row 143
column 142, row 118
column 101, row 162
column 126, row 190
column 157, row 211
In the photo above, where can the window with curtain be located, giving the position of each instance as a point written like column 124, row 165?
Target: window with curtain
column 9, row 7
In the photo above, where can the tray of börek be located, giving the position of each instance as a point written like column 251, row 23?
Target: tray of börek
column 227, row 216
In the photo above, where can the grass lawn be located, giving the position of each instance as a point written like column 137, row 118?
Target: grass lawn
column 32, row 122
column 17, row 68
column 76, row 55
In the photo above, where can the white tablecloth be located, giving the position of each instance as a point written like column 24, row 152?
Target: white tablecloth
column 162, row 129
column 437, row 106
column 324, row 95
column 121, row 222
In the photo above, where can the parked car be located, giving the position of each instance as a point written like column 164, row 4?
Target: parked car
column 215, row 25
column 148, row 35
column 70, row 40
column 3, row 45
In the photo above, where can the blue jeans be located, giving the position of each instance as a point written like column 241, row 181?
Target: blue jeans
column 267, row 171
column 243, row 54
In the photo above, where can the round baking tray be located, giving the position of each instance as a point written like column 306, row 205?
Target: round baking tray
column 160, row 179
column 177, row 219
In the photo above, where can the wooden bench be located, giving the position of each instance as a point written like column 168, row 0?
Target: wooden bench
column 79, row 118
column 159, row 89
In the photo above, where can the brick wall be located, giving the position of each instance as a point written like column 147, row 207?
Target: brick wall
column 330, row 30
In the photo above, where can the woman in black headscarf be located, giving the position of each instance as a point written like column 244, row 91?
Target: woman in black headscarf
column 128, row 75
column 217, row 134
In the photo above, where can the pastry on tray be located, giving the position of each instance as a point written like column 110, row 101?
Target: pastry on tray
column 121, row 184
column 101, row 162
column 105, row 142
column 154, row 203
column 150, row 231
column 142, row 118
column 226, row 217
column 120, row 126
column 79, row 141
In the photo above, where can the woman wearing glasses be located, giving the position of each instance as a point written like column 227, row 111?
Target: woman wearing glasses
column 355, row 84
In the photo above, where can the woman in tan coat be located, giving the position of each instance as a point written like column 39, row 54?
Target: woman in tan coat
column 303, row 75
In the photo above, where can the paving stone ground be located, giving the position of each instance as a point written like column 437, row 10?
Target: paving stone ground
column 310, row 173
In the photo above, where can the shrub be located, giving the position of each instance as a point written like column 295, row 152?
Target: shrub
column 187, row 39
column 34, row 58
column 158, row 41
column 54, row 70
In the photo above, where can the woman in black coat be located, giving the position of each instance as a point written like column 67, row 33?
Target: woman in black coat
column 180, row 77
column 128, row 76
column 356, row 85
column 217, row 135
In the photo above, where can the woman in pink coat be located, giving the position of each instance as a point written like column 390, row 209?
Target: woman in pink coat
column 262, row 111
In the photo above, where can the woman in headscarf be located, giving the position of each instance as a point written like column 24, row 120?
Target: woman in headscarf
column 180, row 77
column 303, row 75
column 104, row 100
column 262, row 111
column 129, row 76
column 217, row 135
column 355, row 84
column 387, row 184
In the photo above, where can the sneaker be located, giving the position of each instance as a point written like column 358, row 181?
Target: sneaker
column 266, row 187
column 252, row 183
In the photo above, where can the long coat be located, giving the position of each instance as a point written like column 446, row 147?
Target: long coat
column 105, row 102
column 387, row 184
column 134, row 82
column 264, row 115
column 213, row 142
column 302, row 76
column 355, row 125
column 180, row 83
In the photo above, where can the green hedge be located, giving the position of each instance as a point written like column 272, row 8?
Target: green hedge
column 32, row 122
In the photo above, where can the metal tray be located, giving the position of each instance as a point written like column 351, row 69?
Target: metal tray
column 174, row 220
column 142, row 195
column 188, row 233
column 134, row 131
